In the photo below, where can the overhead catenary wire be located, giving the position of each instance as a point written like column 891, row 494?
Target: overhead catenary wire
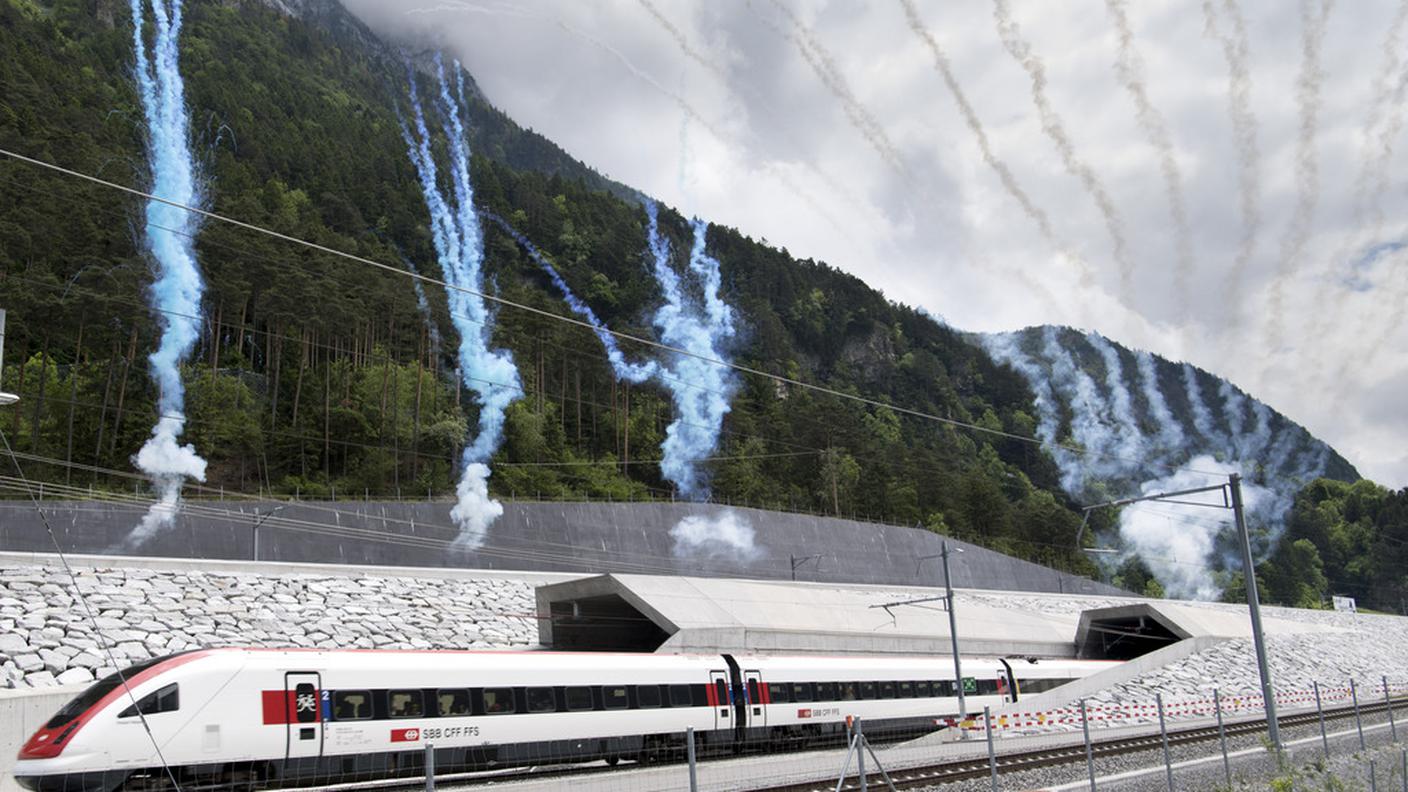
column 253, row 227
column 88, row 610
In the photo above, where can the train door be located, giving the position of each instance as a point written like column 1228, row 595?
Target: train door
column 757, row 713
column 721, row 700
column 303, row 697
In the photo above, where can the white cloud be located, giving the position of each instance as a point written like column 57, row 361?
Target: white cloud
column 777, row 156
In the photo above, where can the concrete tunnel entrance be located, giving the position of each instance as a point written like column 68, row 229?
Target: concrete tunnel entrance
column 605, row 623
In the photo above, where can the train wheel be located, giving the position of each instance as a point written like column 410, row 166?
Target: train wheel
column 612, row 761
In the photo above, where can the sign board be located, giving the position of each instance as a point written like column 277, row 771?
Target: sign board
column 970, row 685
column 1345, row 604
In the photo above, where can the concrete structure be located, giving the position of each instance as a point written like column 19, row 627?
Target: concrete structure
column 22, row 712
column 670, row 614
column 558, row 537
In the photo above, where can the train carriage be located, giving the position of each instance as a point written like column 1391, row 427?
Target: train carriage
column 301, row 716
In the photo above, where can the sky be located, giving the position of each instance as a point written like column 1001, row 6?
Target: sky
column 1211, row 180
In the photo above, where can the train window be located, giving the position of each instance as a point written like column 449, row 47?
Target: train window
column 540, row 699
column 681, row 696
column 904, row 690
column 987, row 687
column 801, row 691
column 453, row 702
column 351, row 704
column 614, row 697
column 849, row 691
column 405, row 703
column 95, row 693
column 721, row 693
column 887, row 690
column 167, row 699
column 498, row 701
column 648, row 696
column 579, row 698
column 922, row 689
column 826, row 691
column 945, row 688
column 867, row 690
column 754, row 696
column 779, row 693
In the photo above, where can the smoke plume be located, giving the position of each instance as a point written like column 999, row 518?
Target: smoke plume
column 168, row 237
column 980, row 135
column 1055, row 129
column 1239, row 110
column 1096, row 434
column 724, row 535
column 1178, row 546
column 821, row 62
column 631, row 372
column 488, row 373
column 1307, row 165
column 1129, row 67
column 699, row 388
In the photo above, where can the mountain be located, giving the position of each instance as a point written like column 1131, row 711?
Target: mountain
column 318, row 376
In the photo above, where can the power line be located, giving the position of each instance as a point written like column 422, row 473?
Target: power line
column 557, row 317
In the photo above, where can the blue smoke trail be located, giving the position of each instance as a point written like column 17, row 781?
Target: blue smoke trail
column 168, row 238
column 631, row 372
column 700, row 389
column 489, row 373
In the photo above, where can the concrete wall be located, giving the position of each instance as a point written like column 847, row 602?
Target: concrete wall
column 22, row 712
column 559, row 537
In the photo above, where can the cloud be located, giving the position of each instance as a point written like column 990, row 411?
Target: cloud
column 947, row 233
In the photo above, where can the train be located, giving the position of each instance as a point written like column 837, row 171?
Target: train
column 271, row 718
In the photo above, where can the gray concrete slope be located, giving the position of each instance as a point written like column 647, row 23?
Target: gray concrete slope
column 558, row 537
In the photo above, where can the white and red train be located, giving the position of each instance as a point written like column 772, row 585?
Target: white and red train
column 274, row 717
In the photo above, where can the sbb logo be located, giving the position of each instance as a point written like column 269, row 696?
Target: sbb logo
column 804, row 713
column 405, row 735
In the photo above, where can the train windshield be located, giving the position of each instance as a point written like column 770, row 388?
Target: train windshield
column 95, row 693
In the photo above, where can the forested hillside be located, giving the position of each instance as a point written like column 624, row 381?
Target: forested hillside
column 320, row 376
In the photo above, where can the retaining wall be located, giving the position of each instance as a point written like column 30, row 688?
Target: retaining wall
column 558, row 537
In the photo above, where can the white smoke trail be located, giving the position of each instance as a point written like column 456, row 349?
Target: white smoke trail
column 1234, row 406
column 1202, row 414
column 1178, row 547
column 1055, row 129
column 821, row 62
column 1129, row 442
column 1129, row 67
column 1307, row 165
column 1089, row 411
column 1004, row 173
column 168, row 237
column 1171, row 437
column 1239, row 109
column 489, row 373
column 726, row 535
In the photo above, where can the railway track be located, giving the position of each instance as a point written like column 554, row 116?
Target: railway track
column 967, row 769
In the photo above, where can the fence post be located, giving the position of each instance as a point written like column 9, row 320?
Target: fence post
column 860, row 757
column 992, row 756
column 1089, row 758
column 1163, row 735
column 1373, row 782
column 1324, row 740
column 429, row 767
column 689, row 751
column 1388, row 703
column 1405, row 770
column 1358, row 724
column 1222, row 736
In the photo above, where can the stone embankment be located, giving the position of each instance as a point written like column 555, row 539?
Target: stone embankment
column 47, row 637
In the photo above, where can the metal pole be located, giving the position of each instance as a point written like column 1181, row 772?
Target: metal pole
column 1324, row 740
column 689, row 750
column 1163, row 735
column 1089, row 757
column 429, row 767
column 1388, row 703
column 1359, row 724
column 1268, row 692
column 992, row 756
column 953, row 633
column 860, row 757
column 1222, row 736
column 1405, row 771
column 255, row 554
column 1373, row 782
